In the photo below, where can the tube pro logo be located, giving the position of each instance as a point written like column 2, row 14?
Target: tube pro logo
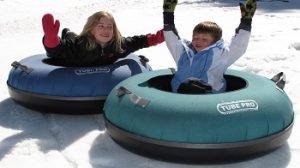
column 237, row 106
column 91, row 70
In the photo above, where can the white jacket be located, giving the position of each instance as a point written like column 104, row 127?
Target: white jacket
column 209, row 64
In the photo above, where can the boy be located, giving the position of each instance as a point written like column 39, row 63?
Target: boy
column 201, row 63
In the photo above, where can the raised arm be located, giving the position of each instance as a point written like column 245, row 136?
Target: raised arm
column 239, row 42
column 247, row 13
column 51, row 28
column 170, row 33
column 169, row 8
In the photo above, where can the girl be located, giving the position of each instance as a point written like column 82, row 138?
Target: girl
column 99, row 43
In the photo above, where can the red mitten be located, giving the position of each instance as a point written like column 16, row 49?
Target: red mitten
column 51, row 29
column 154, row 39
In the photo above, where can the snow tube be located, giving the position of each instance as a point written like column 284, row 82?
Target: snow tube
column 253, row 117
column 39, row 83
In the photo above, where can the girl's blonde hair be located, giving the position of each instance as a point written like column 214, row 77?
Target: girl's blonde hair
column 209, row 27
column 92, row 21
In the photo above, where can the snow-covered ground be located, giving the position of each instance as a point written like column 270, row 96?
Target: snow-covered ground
column 31, row 139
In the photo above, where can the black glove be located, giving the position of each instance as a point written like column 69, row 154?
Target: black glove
column 248, row 10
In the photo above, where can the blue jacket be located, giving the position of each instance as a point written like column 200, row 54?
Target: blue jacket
column 209, row 64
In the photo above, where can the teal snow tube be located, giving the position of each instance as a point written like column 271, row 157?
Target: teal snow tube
column 252, row 117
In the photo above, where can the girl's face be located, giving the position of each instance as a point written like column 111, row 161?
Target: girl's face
column 202, row 40
column 103, row 31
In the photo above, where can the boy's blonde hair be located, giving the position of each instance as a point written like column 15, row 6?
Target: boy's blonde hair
column 92, row 21
column 209, row 27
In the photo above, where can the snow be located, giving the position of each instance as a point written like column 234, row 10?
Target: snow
column 33, row 139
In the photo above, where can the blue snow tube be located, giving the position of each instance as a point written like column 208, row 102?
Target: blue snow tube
column 252, row 117
column 37, row 83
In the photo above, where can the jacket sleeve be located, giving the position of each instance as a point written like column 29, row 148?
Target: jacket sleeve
column 174, row 45
column 237, row 47
column 72, row 51
column 171, row 36
column 59, row 52
column 239, row 42
column 68, row 47
column 134, row 43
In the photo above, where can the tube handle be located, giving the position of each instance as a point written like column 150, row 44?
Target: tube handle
column 279, row 79
column 24, row 68
column 135, row 99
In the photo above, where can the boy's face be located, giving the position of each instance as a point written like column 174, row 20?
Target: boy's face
column 202, row 40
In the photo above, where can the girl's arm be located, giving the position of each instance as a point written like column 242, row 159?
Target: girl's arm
column 50, row 28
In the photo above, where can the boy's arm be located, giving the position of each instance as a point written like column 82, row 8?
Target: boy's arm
column 239, row 42
column 170, row 33
column 247, row 13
